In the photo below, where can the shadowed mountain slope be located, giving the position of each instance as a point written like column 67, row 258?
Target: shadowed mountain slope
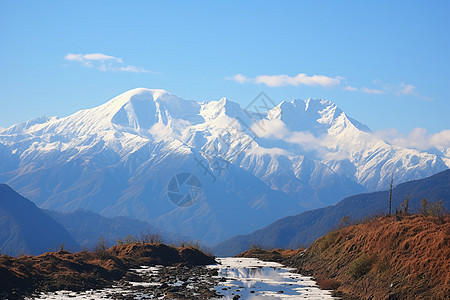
column 25, row 229
column 305, row 228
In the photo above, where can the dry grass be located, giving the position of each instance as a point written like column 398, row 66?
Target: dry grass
column 327, row 283
column 276, row 255
column 397, row 256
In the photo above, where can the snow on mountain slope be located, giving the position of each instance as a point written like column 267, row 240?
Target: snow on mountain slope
column 254, row 167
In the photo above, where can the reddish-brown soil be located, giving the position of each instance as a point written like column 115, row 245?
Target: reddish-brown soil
column 85, row 270
column 392, row 257
column 276, row 255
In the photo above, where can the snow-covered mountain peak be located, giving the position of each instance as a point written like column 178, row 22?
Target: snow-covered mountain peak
column 134, row 96
column 138, row 109
column 254, row 166
column 312, row 115
column 317, row 104
column 29, row 125
column 222, row 108
column 142, row 108
column 147, row 93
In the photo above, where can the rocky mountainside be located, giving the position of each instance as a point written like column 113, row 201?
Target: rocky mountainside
column 25, row 229
column 250, row 166
column 303, row 229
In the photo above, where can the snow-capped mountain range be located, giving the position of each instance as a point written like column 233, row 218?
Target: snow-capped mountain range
column 255, row 165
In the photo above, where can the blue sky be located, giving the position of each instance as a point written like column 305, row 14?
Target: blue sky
column 385, row 63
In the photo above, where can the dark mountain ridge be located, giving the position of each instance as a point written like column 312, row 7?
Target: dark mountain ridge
column 303, row 229
column 87, row 227
column 25, row 229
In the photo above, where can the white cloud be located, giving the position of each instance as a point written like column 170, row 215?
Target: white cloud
column 371, row 91
column 133, row 69
column 239, row 78
column 303, row 138
column 286, row 80
column 440, row 139
column 103, row 62
column 339, row 155
column 72, row 56
column 418, row 138
column 100, row 56
column 300, row 79
column 270, row 151
column 350, row 88
column 402, row 89
column 87, row 59
column 406, row 89
column 276, row 129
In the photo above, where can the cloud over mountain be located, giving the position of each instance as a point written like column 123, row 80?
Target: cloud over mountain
column 104, row 62
column 286, row 80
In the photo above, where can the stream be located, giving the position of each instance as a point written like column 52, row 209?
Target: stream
column 251, row 278
column 234, row 278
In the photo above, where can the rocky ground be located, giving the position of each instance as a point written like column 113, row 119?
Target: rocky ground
column 82, row 271
column 160, row 282
column 178, row 282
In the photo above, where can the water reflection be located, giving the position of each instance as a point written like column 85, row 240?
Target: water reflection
column 252, row 278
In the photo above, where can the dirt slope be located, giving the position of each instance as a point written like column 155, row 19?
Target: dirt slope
column 392, row 257
column 276, row 255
